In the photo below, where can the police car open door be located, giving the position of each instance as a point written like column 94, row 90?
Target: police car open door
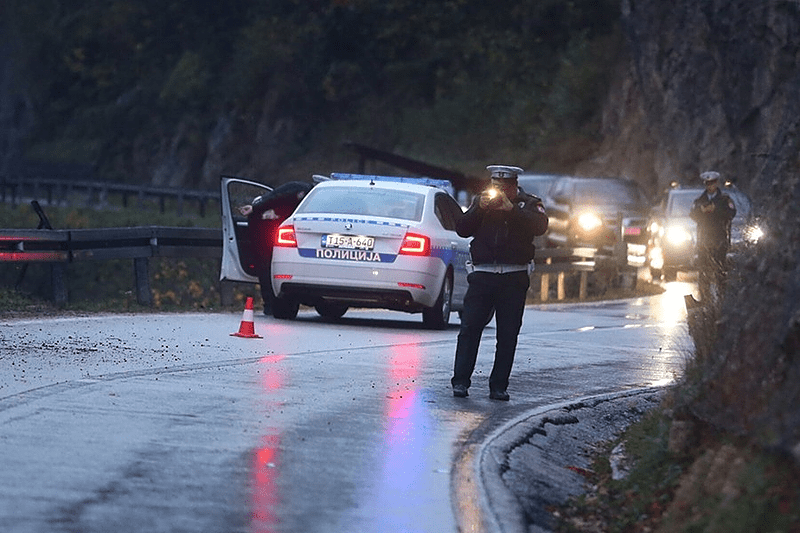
column 238, row 258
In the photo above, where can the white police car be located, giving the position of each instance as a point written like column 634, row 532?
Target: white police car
column 371, row 242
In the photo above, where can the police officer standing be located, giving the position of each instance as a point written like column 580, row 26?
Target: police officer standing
column 713, row 211
column 503, row 220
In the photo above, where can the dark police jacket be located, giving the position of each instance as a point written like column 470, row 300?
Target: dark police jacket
column 714, row 228
column 504, row 237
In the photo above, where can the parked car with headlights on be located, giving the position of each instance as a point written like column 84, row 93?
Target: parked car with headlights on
column 537, row 184
column 609, row 214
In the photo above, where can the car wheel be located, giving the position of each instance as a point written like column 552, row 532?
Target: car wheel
column 438, row 316
column 266, row 293
column 329, row 310
column 285, row 308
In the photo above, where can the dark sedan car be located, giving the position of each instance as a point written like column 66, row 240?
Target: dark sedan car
column 537, row 184
column 609, row 214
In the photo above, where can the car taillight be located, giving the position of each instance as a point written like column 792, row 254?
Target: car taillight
column 286, row 237
column 415, row 244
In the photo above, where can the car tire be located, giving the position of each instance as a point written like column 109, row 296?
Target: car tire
column 330, row 310
column 285, row 308
column 438, row 316
column 266, row 293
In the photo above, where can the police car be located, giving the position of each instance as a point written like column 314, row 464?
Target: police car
column 369, row 242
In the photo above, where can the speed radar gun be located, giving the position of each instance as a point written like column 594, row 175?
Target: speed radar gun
column 247, row 327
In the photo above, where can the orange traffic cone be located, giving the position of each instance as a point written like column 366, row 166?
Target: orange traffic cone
column 247, row 328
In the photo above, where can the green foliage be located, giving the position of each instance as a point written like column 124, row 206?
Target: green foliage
column 176, row 284
column 102, row 70
column 187, row 80
column 106, row 216
column 754, row 490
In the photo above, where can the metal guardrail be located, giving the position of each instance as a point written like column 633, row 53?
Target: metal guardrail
column 60, row 247
column 560, row 261
column 60, row 191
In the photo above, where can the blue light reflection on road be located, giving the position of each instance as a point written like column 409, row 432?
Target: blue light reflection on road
column 401, row 490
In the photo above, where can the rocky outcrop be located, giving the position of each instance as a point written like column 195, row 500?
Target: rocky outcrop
column 716, row 85
column 704, row 85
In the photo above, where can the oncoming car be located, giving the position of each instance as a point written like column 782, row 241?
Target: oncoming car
column 371, row 242
column 673, row 235
column 609, row 214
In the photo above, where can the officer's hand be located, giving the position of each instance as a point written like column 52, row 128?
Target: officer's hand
column 489, row 198
column 504, row 204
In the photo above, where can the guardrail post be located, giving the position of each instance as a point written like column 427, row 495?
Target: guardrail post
column 141, row 269
column 584, row 284
column 58, row 275
column 544, row 290
column 562, row 293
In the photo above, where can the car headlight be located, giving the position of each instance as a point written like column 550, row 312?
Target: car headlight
column 655, row 227
column 753, row 233
column 656, row 258
column 589, row 221
column 678, row 235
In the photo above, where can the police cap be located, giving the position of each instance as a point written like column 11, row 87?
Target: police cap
column 504, row 172
column 709, row 176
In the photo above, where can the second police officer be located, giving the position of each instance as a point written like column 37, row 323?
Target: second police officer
column 502, row 221
column 713, row 212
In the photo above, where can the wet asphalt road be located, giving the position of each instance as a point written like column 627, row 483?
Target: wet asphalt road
column 167, row 423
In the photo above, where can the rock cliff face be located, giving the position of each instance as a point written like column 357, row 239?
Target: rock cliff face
column 705, row 85
column 715, row 84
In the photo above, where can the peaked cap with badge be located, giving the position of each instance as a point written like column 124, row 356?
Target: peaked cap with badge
column 504, row 171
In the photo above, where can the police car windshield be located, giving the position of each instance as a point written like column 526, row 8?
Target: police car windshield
column 364, row 201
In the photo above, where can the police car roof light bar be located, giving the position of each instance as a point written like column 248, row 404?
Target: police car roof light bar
column 431, row 182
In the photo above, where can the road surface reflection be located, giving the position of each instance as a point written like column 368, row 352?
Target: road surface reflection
column 266, row 459
column 406, row 441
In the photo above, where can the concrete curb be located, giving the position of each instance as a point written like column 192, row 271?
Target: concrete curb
column 504, row 511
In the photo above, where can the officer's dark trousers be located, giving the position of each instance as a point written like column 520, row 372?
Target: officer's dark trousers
column 505, row 293
column 712, row 264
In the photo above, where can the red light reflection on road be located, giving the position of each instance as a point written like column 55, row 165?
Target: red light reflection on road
column 265, row 494
column 265, row 462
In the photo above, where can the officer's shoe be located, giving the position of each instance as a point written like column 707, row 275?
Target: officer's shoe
column 460, row 391
column 499, row 395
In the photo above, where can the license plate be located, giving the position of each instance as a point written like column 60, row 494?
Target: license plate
column 348, row 242
column 633, row 231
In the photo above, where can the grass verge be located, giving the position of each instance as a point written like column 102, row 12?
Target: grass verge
column 706, row 482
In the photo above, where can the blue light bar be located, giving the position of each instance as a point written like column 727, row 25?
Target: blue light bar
column 419, row 180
